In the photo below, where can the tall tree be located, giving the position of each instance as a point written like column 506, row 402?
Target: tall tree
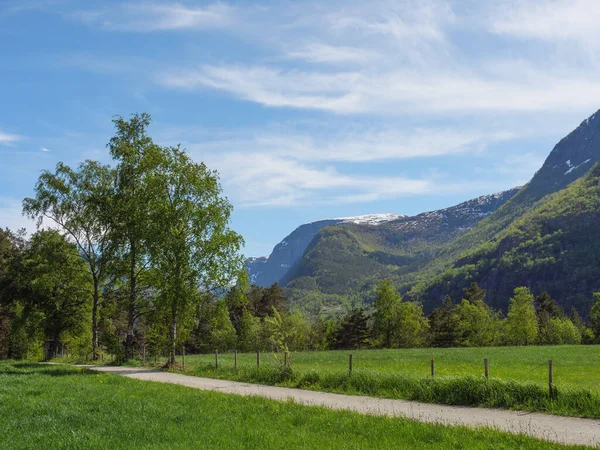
column 521, row 321
column 443, row 323
column 12, row 247
column 137, row 157
column 548, row 312
column 262, row 301
column 191, row 247
column 412, row 326
column 78, row 201
column 58, row 284
column 353, row 331
column 387, row 305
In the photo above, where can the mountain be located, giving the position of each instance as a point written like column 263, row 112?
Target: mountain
column 546, row 237
column 264, row 271
column 542, row 235
column 350, row 258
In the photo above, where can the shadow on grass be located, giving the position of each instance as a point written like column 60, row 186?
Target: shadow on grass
column 51, row 370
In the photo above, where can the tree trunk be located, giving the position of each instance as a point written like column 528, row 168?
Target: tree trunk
column 55, row 346
column 131, row 309
column 173, row 338
column 95, row 320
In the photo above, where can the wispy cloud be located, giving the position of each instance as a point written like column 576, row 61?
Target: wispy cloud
column 549, row 20
column 6, row 138
column 317, row 52
column 149, row 17
column 260, row 179
column 357, row 144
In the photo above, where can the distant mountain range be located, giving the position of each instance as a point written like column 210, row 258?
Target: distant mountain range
column 264, row 271
column 545, row 235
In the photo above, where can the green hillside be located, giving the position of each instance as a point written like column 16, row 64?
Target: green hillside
column 347, row 260
column 553, row 246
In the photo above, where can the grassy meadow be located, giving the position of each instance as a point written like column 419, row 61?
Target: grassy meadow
column 62, row 407
column 518, row 376
column 573, row 366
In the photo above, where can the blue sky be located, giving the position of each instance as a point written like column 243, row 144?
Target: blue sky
column 309, row 110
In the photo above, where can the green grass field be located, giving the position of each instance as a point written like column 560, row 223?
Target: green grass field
column 573, row 366
column 518, row 375
column 60, row 407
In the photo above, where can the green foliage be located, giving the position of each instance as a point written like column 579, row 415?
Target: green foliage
column 385, row 318
column 222, row 332
column 353, row 330
column 191, row 246
column 595, row 317
column 521, row 322
column 412, row 328
column 478, row 324
column 249, row 332
column 286, row 332
column 560, row 331
column 78, row 201
column 444, row 325
column 58, row 286
column 548, row 243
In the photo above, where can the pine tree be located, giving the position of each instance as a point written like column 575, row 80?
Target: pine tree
column 353, row 331
column 443, row 323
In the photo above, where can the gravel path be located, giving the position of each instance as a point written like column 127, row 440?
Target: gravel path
column 564, row 430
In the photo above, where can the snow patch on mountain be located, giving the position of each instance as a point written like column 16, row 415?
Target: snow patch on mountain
column 572, row 167
column 371, row 219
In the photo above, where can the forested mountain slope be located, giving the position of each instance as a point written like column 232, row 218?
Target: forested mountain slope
column 264, row 271
column 554, row 247
column 351, row 258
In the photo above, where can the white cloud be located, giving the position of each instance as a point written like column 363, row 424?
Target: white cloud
column 550, row 20
column 6, row 138
column 260, row 179
column 397, row 92
column 331, row 54
column 148, row 17
column 357, row 145
column 44, row 149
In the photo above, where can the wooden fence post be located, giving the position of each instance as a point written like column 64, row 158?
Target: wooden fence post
column 485, row 367
column 432, row 367
column 257, row 359
column 286, row 359
column 183, row 356
column 550, row 386
column 216, row 359
column 350, row 364
column 235, row 360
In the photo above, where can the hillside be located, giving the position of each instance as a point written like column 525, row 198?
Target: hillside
column 264, row 271
column 351, row 258
column 554, row 247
